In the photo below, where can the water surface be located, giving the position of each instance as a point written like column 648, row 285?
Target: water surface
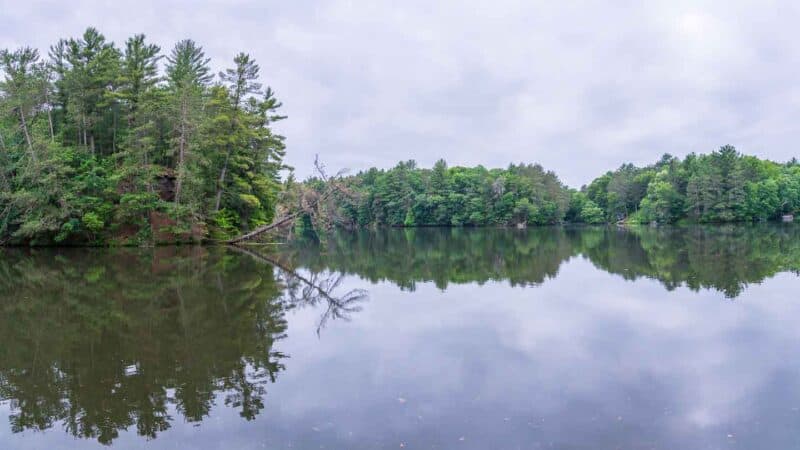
column 560, row 338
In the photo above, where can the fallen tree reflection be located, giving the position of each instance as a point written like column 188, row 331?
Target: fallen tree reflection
column 313, row 290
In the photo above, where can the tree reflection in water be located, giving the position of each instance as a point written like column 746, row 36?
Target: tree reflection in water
column 313, row 289
column 102, row 340
column 725, row 258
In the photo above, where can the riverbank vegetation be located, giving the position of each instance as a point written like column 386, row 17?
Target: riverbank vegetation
column 101, row 143
column 723, row 186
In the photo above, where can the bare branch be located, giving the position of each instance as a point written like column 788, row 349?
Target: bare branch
column 309, row 203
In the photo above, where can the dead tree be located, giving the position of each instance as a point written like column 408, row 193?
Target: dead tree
column 310, row 202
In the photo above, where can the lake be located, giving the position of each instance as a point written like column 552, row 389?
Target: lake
column 551, row 338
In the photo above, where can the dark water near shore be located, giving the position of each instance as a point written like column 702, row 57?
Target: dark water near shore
column 561, row 338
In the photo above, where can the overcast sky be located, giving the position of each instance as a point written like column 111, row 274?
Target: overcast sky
column 577, row 87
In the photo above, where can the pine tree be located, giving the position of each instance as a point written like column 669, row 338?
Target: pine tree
column 22, row 89
column 241, row 81
column 188, row 75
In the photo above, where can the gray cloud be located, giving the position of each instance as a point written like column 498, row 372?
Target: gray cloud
column 578, row 87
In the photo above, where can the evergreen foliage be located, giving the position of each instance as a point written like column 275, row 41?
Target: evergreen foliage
column 102, row 144
column 452, row 196
column 723, row 186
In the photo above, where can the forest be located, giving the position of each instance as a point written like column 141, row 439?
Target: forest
column 128, row 145
column 720, row 187
column 105, row 144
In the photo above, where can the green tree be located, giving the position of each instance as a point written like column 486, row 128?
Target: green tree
column 188, row 75
column 591, row 213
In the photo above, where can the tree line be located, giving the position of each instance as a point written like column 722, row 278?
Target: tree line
column 407, row 195
column 99, row 142
column 723, row 186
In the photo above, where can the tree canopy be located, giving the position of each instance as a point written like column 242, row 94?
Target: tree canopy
column 101, row 143
column 407, row 195
column 723, row 186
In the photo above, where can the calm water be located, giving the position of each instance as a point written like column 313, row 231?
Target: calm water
column 587, row 338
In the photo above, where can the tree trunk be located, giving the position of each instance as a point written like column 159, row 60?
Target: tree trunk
column 222, row 181
column 114, row 133
column 181, row 153
column 83, row 126
column 305, row 209
column 49, row 113
column 27, row 134
column 236, row 100
column 50, row 122
column 263, row 229
column 2, row 172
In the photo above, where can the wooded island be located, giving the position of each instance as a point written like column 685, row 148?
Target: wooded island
column 107, row 145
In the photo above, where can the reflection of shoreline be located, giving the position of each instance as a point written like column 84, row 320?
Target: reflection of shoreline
column 123, row 338
column 105, row 340
column 725, row 258
column 119, row 339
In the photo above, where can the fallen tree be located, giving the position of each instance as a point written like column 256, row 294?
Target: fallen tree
column 308, row 203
